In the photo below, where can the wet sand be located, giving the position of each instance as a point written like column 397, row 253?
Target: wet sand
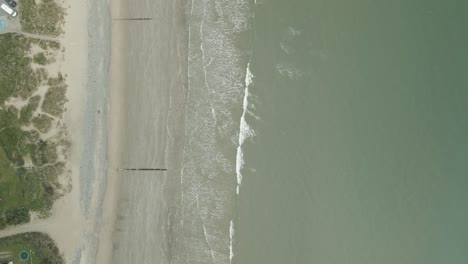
column 146, row 126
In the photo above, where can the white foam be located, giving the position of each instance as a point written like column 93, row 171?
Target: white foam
column 231, row 238
column 244, row 130
column 284, row 47
column 294, row 32
column 248, row 77
column 289, row 70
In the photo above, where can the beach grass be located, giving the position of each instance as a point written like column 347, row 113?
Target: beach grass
column 17, row 78
column 27, row 112
column 55, row 98
column 46, row 17
column 41, row 249
column 29, row 164
column 42, row 122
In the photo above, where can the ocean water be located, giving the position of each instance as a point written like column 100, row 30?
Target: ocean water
column 295, row 132
column 359, row 114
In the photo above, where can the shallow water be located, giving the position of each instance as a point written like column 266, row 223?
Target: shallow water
column 359, row 153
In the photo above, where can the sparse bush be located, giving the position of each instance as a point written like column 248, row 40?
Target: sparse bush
column 55, row 45
column 28, row 110
column 55, row 100
column 40, row 58
column 42, row 122
column 17, row 78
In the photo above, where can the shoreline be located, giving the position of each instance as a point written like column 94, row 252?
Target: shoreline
column 131, row 135
column 116, row 120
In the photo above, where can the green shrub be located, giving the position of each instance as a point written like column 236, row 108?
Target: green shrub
column 40, row 58
column 55, row 100
column 28, row 110
column 3, row 223
column 42, row 122
column 16, row 216
column 17, row 78
column 55, row 45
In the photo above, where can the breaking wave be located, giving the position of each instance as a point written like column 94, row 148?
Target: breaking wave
column 231, row 237
column 245, row 131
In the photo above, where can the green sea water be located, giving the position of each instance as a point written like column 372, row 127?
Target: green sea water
column 361, row 146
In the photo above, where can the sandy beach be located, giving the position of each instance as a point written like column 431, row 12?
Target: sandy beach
column 146, row 109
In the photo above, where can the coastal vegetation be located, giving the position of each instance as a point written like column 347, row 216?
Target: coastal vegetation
column 55, row 99
column 33, row 144
column 45, row 17
column 40, row 58
column 40, row 249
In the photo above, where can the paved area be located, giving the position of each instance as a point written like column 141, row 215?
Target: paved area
column 3, row 24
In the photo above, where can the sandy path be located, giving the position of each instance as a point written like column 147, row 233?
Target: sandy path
column 63, row 226
column 36, row 36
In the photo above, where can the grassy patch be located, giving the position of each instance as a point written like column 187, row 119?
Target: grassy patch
column 55, row 98
column 17, row 78
column 27, row 111
column 41, row 248
column 46, row 17
column 46, row 44
column 55, row 45
column 42, row 122
column 41, row 75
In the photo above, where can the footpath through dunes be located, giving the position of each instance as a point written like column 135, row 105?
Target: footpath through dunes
column 43, row 79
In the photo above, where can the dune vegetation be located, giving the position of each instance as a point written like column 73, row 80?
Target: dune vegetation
column 45, row 17
column 33, row 143
column 40, row 249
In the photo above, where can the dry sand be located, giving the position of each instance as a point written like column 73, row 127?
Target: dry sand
column 116, row 120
